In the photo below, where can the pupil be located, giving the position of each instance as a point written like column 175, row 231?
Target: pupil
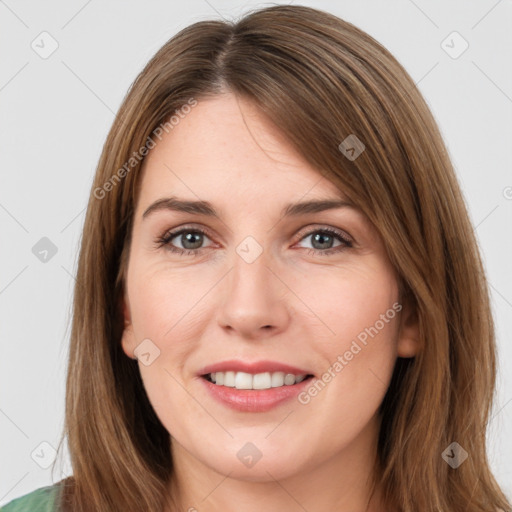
column 188, row 237
column 321, row 237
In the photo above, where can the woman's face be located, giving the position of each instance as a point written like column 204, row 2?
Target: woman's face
column 260, row 293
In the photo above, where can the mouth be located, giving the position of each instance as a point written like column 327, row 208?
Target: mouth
column 255, row 386
column 257, row 381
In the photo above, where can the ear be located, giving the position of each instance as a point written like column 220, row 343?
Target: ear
column 128, row 337
column 409, row 333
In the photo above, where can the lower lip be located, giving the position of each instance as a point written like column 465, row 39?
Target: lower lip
column 254, row 400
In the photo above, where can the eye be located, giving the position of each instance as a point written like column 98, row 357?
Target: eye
column 324, row 238
column 190, row 238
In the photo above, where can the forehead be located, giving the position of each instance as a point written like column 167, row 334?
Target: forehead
column 225, row 150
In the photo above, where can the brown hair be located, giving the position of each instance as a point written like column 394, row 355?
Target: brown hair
column 319, row 79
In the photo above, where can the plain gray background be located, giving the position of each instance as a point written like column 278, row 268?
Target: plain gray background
column 55, row 115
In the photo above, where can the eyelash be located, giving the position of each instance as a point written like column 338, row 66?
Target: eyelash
column 165, row 240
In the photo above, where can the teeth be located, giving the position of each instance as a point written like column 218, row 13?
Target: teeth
column 229, row 379
column 243, row 380
column 277, row 379
column 262, row 381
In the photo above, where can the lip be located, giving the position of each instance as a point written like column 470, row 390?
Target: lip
column 254, row 400
column 254, row 367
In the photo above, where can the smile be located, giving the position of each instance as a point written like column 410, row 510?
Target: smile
column 252, row 399
column 244, row 380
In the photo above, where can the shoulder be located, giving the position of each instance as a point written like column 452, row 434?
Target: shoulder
column 43, row 499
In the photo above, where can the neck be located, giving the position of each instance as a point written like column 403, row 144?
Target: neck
column 343, row 482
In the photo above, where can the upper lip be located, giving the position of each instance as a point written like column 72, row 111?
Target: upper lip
column 252, row 367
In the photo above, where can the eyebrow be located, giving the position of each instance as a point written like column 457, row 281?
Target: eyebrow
column 205, row 208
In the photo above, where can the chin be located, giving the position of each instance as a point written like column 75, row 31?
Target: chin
column 260, row 461
column 262, row 471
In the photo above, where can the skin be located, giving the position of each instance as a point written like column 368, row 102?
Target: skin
column 214, row 306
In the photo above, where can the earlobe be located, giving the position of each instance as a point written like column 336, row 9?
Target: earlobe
column 127, row 341
column 409, row 334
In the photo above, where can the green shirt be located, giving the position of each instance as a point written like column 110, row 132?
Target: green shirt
column 43, row 499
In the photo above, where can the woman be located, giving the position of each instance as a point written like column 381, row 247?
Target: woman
column 217, row 362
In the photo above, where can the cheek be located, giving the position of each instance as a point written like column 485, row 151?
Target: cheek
column 348, row 300
column 162, row 306
column 359, row 311
column 162, row 302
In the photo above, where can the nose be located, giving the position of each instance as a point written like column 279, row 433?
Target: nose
column 254, row 301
